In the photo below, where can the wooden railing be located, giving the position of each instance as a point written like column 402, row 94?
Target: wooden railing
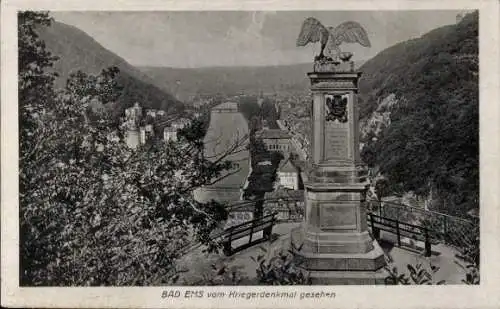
column 401, row 229
column 239, row 231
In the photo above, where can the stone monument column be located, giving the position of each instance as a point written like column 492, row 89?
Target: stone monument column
column 335, row 243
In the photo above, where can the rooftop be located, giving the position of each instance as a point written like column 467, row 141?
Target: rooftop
column 273, row 134
column 287, row 166
column 285, row 194
column 226, row 105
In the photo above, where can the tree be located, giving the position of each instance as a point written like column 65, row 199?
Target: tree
column 381, row 188
column 92, row 210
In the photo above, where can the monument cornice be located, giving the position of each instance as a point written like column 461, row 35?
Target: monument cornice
column 334, row 81
column 335, row 85
column 335, row 75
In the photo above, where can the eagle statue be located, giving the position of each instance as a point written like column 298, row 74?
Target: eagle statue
column 331, row 38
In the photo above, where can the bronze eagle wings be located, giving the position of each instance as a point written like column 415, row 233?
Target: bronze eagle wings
column 331, row 38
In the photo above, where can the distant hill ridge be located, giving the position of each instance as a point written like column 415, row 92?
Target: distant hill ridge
column 233, row 80
column 79, row 51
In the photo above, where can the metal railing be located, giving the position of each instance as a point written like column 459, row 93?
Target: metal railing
column 449, row 229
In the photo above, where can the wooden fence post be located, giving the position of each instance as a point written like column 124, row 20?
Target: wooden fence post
column 227, row 244
column 398, row 233
column 251, row 234
column 375, row 231
column 428, row 251
column 445, row 228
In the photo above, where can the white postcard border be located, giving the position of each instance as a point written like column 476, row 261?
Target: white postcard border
column 483, row 296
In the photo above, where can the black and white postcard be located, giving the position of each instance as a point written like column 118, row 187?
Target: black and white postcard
column 242, row 155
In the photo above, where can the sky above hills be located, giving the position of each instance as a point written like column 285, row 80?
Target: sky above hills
column 228, row 38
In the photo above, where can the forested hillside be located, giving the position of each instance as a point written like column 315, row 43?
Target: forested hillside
column 420, row 110
column 78, row 51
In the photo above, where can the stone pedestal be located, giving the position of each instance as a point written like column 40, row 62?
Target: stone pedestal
column 334, row 240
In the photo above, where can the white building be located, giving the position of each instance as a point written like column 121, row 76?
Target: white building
column 132, row 138
column 151, row 112
column 288, row 175
column 142, row 135
column 170, row 134
column 149, row 131
column 134, row 112
column 180, row 124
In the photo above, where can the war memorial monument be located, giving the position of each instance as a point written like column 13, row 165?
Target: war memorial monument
column 333, row 239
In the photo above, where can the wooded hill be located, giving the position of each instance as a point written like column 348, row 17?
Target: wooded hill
column 78, row 51
column 430, row 144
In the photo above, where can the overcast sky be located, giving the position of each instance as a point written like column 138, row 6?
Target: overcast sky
column 208, row 38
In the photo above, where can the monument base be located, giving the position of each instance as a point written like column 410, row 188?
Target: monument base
column 348, row 277
column 339, row 268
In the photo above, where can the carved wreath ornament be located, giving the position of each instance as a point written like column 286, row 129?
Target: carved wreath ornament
column 336, row 108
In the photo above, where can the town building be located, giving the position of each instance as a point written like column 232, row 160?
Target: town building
column 275, row 139
column 133, row 116
column 288, row 204
column 151, row 112
column 142, row 135
column 227, row 107
column 149, row 131
column 180, row 123
column 288, row 175
column 170, row 134
column 134, row 112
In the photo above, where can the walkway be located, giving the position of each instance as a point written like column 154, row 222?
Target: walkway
column 198, row 264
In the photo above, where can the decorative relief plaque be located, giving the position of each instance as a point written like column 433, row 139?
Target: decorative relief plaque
column 336, row 108
column 335, row 216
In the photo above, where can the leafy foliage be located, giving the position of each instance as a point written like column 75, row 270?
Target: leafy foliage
column 470, row 255
column 222, row 274
column 269, row 114
column 417, row 275
column 280, row 269
column 92, row 210
column 263, row 177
